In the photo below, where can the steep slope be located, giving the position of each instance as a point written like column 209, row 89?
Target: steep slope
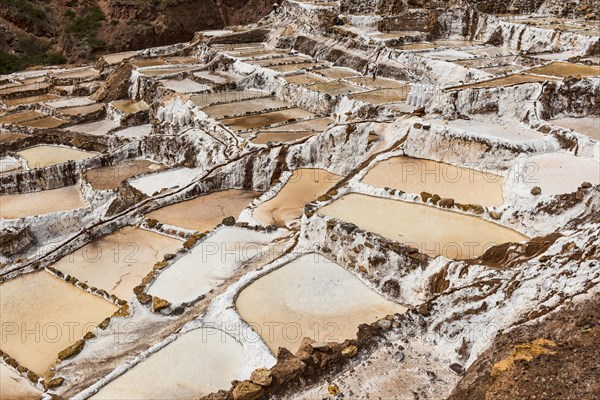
column 36, row 32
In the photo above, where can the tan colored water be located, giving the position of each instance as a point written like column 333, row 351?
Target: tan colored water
column 47, row 122
column 336, row 88
column 266, row 119
column 413, row 175
column 47, row 315
column 588, row 125
column 81, row 73
column 383, row 96
column 182, row 60
column 246, row 106
column 311, row 297
column 378, row 83
column 508, row 81
column 563, row 69
column 38, row 203
column 316, row 125
column 130, row 106
column 82, row 110
column 433, row 231
column 164, row 71
column 417, row 46
column 20, row 117
column 46, row 155
column 206, row 99
column 111, row 177
column 29, row 100
column 147, row 62
column 15, row 387
column 304, row 186
column 280, row 137
column 205, row 212
column 118, row 262
column 197, row 363
column 295, row 67
column 6, row 137
column 279, row 60
column 304, row 79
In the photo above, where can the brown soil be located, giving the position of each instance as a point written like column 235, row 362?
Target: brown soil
column 566, row 369
column 34, row 30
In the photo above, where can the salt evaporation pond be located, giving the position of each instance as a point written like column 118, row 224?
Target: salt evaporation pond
column 431, row 230
column 589, row 126
column 415, row 175
column 311, row 297
column 60, row 312
column 205, row 212
column 130, row 106
column 243, row 107
column 304, row 186
column 107, row 178
column 558, row 173
column 47, row 155
column 266, row 119
column 39, row 203
column 209, row 264
column 563, row 69
column 16, row 387
column 196, row 364
column 154, row 183
column 118, row 262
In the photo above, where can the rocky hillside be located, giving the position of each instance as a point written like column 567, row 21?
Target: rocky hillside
column 36, row 32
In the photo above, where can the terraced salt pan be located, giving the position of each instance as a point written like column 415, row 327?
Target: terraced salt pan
column 134, row 132
column 29, row 100
column 39, row 203
column 417, row 46
column 336, row 88
column 10, row 164
column 15, row 387
column 503, row 129
column 147, row 62
column 266, row 119
column 279, row 137
column 205, row 212
column 516, row 79
column 209, row 264
column 130, row 106
column 378, row 83
column 557, row 173
column 70, row 102
column 431, row 230
column 153, row 72
column 197, row 363
column 57, row 310
column 279, row 60
column 118, row 262
column 414, row 175
column 304, row 79
column 111, row 177
column 116, row 58
column 338, row 72
column 246, row 106
column 101, row 127
column 588, row 125
column 316, row 125
column 449, row 55
column 313, row 297
column 295, row 67
column 184, row 86
column 6, row 137
column 206, row 99
column 304, row 186
column 46, row 155
column 563, row 69
column 218, row 77
column 78, row 73
column 82, row 110
column 153, row 183
column 20, row 117
column 46, row 122
column 383, row 96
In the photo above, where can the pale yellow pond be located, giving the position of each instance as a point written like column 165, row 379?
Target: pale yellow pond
column 431, row 230
column 311, row 297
